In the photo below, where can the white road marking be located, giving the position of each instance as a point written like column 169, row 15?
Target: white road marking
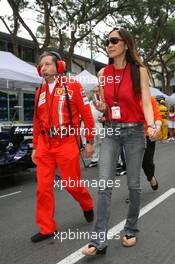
column 10, row 194
column 77, row 255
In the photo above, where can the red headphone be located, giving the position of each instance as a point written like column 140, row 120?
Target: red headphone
column 60, row 64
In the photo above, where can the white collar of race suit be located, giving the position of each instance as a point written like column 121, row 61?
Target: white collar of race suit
column 51, row 87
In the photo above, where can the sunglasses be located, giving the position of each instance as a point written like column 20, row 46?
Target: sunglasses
column 113, row 40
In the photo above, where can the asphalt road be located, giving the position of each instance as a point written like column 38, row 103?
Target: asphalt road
column 156, row 241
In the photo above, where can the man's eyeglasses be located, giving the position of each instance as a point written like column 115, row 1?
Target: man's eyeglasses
column 113, row 40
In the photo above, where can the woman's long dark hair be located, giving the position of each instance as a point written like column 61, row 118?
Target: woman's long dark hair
column 132, row 57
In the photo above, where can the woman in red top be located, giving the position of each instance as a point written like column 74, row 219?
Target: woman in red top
column 124, row 83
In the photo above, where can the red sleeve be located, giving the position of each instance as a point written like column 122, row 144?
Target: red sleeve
column 156, row 110
column 36, row 123
column 84, row 110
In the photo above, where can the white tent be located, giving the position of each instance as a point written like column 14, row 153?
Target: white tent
column 156, row 92
column 17, row 74
column 87, row 80
column 170, row 100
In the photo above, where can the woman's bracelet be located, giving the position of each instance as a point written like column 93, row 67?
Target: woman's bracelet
column 152, row 126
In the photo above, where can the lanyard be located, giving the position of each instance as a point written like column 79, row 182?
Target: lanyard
column 121, row 79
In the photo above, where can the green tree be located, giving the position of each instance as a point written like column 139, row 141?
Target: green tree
column 46, row 8
column 73, row 21
column 64, row 24
column 152, row 23
column 164, row 70
column 12, row 24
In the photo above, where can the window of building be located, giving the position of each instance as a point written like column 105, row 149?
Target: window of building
column 3, row 45
column 7, row 109
column 28, row 106
column 28, row 54
column 10, row 47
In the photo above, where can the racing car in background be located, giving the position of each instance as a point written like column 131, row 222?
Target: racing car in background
column 15, row 147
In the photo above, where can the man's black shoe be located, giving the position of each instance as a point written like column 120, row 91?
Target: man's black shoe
column 89, row 215
column 40, row 237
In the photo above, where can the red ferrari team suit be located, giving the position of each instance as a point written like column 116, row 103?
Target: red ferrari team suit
column 59, row 151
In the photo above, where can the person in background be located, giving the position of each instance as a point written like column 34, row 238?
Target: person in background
column 148, row 158
column 121, row 165
column 164, row 129
column 98, row 126
column 171, row 123
column 125, row 84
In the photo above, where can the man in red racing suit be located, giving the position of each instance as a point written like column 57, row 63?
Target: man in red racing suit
column 55, row 145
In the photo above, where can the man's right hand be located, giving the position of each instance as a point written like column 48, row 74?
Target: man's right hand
column 100, row 106
column 33, row 156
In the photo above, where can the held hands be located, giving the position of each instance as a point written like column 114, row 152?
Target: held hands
column 153, row 133
column 88, row 151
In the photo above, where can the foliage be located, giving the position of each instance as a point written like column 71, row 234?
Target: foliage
column 66, row 24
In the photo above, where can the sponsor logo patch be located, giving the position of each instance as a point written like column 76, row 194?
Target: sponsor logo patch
column 41, row 102
column 42, row 96
column 85, row 101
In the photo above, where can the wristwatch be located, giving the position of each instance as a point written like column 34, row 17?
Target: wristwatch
column 91, row 142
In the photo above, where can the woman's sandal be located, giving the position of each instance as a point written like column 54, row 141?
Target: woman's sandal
column 93, row 251
column 129, row 241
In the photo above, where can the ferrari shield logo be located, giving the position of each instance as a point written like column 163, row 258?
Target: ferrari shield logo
column 58, row 91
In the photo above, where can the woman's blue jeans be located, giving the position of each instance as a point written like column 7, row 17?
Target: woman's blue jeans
column 133, row 141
